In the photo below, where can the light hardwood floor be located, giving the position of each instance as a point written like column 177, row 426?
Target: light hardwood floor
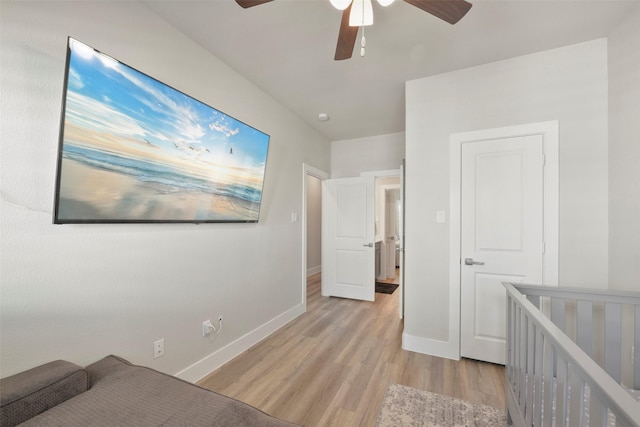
column 332, row 365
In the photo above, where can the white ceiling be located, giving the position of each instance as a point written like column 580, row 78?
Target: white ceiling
column 286, row 48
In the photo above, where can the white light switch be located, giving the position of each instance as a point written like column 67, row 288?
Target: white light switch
column 294, row 216
column 440, row 217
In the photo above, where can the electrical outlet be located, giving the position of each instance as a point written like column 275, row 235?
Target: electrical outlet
column 220, row 319
column 158, row 348
column 207, row 328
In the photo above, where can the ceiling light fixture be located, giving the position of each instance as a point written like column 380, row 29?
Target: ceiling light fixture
column 340, row 4
column 361, row 14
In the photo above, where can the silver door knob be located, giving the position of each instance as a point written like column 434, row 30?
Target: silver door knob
column 470, row 261
column 369, row 245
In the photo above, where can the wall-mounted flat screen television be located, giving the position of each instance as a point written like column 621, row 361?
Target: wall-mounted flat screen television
column 135, row 150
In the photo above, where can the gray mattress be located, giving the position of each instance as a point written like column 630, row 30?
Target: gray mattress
column 122, row 394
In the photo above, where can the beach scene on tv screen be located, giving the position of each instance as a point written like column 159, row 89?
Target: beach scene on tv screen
column 135, row 149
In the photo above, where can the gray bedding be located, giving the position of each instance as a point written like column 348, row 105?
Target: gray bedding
column 122, row 394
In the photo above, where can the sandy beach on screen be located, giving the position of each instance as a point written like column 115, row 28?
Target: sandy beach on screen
column 88, row 193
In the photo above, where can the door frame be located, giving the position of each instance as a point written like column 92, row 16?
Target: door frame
column 549, row 132
column 321, row 175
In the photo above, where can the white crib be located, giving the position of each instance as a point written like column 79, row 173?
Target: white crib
column 570, row 356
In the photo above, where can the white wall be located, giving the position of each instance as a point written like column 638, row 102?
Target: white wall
column 80, row 292
column 624, row 154
column 350, row 157
column 314, row 224
column 567, row 84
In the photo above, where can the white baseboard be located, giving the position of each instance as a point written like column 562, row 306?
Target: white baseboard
column 314, row 270
column 205, row 366
column 432, row 347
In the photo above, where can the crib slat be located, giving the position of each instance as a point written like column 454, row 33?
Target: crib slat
column 584, row 334
column 509, row 361
column 537, row 378
column 529, row 372
column 576, row 400
column 523, row 360
column 548, row 380
column 509, row 364
column 613, row 340
column 636, row 350
column 597, row 412
column 516, row 357
column 515, row 348
column 562, row 392
column 557, row 312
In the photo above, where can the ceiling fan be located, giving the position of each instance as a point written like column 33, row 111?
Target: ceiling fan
column 450, row 11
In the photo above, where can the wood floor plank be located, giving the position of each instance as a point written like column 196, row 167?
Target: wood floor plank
column 332, row 365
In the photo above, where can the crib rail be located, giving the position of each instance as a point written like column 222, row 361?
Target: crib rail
column 551, row 381
column 586, row 315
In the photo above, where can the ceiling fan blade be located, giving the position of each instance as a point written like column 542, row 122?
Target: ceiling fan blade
column 250, row 3
column 346, row 37
column 450, row 11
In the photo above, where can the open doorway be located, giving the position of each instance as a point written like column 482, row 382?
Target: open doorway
column 311, row 224
column 389, row 193
column 390, row 236
column 388, row 217
column 388, row 229
column 360, row 239
column 314, row 224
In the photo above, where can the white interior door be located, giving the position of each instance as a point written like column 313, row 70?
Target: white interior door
column 501, row 236
column 348, row 249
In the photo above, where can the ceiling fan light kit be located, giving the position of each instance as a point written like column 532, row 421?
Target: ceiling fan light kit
column 359, row 13
column 340, row 4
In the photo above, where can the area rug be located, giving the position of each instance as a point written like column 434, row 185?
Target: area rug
column 406, row 406
column 386, row 288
